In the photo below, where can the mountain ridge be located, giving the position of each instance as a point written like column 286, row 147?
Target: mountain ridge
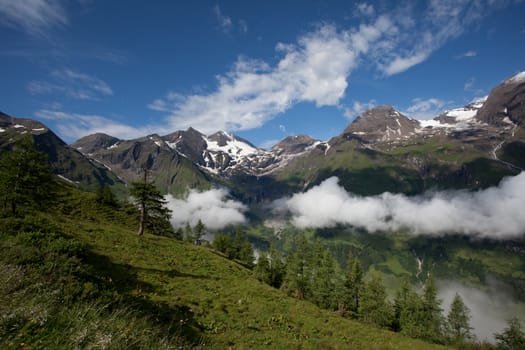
column 382, row 150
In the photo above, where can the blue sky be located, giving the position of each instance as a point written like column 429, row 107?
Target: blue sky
column 260, row 69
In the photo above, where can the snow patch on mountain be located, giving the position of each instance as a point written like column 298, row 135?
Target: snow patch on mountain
column 233, row 146
column 517, row 79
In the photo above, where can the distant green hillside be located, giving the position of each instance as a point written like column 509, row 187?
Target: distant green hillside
column 422, row 164
column 76, row 276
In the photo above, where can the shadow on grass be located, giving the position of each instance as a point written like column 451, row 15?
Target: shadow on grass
column 172, row 319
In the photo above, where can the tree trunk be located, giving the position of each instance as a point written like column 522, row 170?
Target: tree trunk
column 140, row 232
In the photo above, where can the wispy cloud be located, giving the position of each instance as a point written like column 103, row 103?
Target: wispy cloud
column 73, row 126
column 470, row 53
column 431, row 214
column 225, row 22
column 440, row 22
column 364, row 9
column 358, row 108
column 35, row 17
column 425, row 108
column 73, row 84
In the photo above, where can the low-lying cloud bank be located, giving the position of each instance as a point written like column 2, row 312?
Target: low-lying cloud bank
column 490, row 308
column 495, row 212
column 212, row 207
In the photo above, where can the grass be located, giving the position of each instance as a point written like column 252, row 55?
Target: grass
column 78, row 277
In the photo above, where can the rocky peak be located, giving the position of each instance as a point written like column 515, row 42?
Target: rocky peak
column 189, row 143
column 382, row 123
column 92, row 143
column 293, row 144
column 505, row 103
column 222, row 138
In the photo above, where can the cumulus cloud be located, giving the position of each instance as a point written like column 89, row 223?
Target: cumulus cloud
column 35, row 17
column 490, row 307
column 212, row 207
column 73, row 84
column 494, row 212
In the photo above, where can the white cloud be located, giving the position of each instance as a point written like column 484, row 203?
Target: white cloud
column 469, row 54
column 212, row 207
column 71, row 83
column 243, row 26
column 401, row 64
column 425, row 109
column 438, row 213
column 313, row 70
column 32, row 16
column 358, row 108
column 72, row 126
column 364, row 9
column 225, row 22
column 430, row 29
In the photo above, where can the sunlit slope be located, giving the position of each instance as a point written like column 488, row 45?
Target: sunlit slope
column 222, row 301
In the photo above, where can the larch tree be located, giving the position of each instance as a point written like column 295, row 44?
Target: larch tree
column 153, row 212
column 298, row 272
column 431, row 312
column 374, row 307
column 512, row 337
column 353, row 285
column 458, row 321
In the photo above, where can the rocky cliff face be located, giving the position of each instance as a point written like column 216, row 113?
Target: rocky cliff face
column 505, row 103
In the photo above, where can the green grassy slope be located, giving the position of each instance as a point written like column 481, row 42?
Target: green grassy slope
column 78, row 277
column 422, row 164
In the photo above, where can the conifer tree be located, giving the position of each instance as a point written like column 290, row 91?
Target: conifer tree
column 179, row 234
column 277, row 268
column 153, row 212
column 374, row 307
column 198, row 230
column 431, row 312
column 262, row 270
column 297, row 279
column 512, row 337
column 324, row 286
column 458, row 321
column 188, row 233
column 352, row 285
column 106, row 196
column 25, row 176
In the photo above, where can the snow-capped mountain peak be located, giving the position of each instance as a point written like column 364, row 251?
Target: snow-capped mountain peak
column 516, row 79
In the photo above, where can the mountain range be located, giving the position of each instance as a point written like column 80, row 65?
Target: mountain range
column 382, row 150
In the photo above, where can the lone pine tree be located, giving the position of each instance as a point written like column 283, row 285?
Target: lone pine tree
column 153, row 212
